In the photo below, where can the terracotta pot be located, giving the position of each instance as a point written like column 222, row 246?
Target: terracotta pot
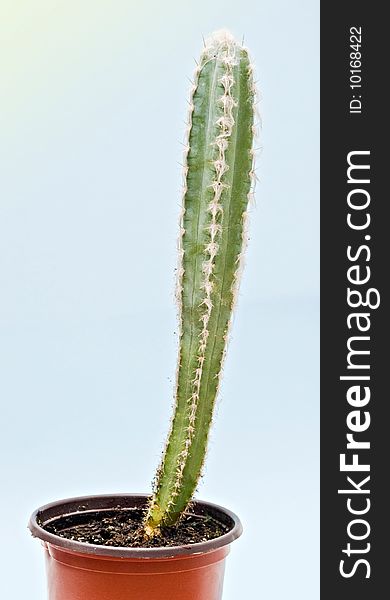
column 80, row 571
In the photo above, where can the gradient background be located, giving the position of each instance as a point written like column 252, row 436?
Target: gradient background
column 92, row 109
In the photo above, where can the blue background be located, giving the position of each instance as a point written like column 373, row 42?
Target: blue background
column 95, row 102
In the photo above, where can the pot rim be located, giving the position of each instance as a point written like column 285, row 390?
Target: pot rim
column 93, row 503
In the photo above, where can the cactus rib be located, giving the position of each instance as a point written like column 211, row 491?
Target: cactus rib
column 218, row 177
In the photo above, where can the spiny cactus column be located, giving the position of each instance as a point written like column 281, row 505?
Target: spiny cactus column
column 218, row 181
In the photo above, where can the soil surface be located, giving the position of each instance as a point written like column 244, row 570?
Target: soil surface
column 123, row 528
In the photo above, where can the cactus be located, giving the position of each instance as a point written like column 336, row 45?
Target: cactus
column 218, row 178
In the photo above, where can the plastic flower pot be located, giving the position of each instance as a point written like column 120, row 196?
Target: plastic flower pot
column 81, row 571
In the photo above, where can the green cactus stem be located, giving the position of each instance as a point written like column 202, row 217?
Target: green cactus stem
column 218, row 178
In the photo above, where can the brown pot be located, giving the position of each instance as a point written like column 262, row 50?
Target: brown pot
column 80, row 571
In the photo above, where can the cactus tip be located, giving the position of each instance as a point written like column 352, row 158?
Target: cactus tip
column 221, row 37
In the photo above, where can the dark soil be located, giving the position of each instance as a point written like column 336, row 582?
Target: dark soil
column 122, row 527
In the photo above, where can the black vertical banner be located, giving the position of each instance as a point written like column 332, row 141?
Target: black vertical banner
column 355, row 259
